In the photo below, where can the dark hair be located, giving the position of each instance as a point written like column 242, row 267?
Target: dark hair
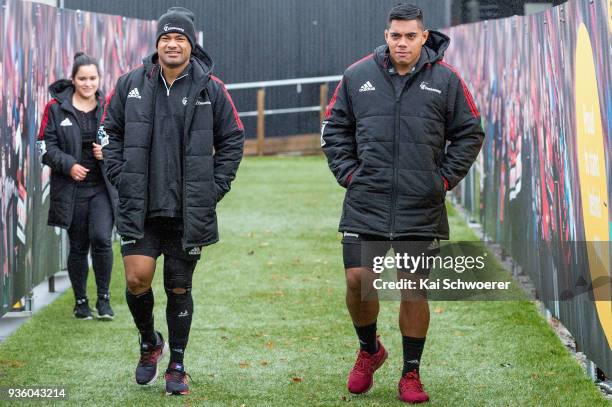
column 406, row 11
column 80, row 59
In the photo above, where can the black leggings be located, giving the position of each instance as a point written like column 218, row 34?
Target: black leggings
column 92, row 225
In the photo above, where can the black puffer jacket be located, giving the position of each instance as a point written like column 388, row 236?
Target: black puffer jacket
column 60, row 145
column 389, row 152
column 213, row 144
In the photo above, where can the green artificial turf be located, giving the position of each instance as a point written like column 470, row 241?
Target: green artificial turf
column 271, row 328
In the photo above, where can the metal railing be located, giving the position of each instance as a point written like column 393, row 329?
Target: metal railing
column 262, row 112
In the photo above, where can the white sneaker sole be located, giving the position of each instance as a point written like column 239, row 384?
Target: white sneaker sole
column 177, row 394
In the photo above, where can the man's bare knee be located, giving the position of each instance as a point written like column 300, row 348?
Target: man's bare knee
column 136, row 285
column 353, row 279
column 179, row 290
column 139, row 271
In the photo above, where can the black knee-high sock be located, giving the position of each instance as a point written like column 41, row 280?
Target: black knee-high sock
column 179, row 311
column 413, row 349
column 367, row 338
column 141, row 307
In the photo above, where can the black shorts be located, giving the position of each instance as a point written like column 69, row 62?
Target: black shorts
column 360, row 250
column 161, row 236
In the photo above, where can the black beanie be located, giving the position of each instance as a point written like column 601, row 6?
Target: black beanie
column 177, row 20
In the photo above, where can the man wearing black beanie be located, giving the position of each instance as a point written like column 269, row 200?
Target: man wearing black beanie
column 177, row 20
column 173, row 142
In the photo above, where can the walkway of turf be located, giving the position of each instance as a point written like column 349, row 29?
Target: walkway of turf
column 270, row 325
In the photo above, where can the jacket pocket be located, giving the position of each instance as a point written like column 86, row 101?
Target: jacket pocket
column 350, row 179
column 441, row 187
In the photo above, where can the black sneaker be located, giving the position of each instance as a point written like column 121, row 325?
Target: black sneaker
column 146, row 371
column 176, row 379
column 81, row 309
column 104, row 309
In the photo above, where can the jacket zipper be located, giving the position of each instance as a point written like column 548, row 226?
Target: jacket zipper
column 166, row 83
column 78, row 158
column 396, row 135
column 146, row 195
column 395, row 164
column 186, row 133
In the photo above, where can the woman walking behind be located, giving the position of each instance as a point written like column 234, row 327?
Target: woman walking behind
column 82, row 199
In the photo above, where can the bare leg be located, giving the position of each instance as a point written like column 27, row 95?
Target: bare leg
column 139, row 272
column 363, row 312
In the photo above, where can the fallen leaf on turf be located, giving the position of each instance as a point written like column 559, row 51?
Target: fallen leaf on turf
column 11, row 363
column 263, row 363
column 224, row 338
column 269, row 344
column 296, row 379
column 458, row 333
column 251, row 252
column 438, row 310
column 244, row 365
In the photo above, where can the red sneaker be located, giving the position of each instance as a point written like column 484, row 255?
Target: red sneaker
column 176, row 379
column 411, row 389
column 361, row 378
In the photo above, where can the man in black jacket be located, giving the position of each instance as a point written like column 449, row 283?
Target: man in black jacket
column 174, row 143
column 401, row 129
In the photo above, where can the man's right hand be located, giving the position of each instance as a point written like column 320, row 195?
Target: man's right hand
column 78, row 172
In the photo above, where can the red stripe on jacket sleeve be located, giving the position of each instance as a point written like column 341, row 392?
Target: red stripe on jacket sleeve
column 108, row 99
column 466, row 92
column 330, row 106
column 236, row 115
column 45, row 119
column 332, row 102
column 361, row 60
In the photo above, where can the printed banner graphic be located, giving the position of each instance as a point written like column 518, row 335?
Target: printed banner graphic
column 38, row 47
column 543, row 181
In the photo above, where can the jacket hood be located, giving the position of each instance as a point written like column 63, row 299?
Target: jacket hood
column 63, row 89
column 199, row 58
column 432, row 52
